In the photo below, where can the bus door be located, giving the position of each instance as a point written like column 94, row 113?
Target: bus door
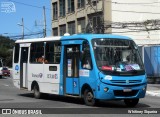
column 71, row 69
column 23, row 67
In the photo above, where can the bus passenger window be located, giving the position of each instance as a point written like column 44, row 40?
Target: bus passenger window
column 86, row 56
column 53, row 52
column 37, row 52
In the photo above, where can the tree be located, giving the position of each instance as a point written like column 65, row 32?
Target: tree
column 6, row 47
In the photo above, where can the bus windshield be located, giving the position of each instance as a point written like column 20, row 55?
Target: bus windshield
column 117, row 57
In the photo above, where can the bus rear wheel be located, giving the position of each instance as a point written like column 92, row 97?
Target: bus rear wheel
column 36, row 92
column 89, row 98
column 131, row 102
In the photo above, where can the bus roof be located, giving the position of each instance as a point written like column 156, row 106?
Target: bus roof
column 38, row 39
column 71, row 37
column 91, row 36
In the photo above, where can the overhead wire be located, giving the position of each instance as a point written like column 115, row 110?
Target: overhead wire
column 114, row 2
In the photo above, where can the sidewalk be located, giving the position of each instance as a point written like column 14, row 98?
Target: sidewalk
column 153, row 90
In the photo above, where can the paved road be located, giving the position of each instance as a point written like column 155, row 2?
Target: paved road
column 11, row 97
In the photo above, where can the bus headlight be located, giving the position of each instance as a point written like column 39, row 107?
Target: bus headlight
column 144, row 88
column 106, row 89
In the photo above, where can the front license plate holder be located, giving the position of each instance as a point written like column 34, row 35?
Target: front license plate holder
column 127, row 90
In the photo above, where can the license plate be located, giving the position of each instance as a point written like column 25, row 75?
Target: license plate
column 127, row 90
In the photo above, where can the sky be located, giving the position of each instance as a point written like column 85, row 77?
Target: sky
column 12, row 12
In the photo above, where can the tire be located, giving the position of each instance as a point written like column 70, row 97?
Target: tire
column 89, row 98
column 36, row 92
column 0, row 76
column 131, row 102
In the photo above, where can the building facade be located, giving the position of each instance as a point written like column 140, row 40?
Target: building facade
column 79, row 16
column 139, row 20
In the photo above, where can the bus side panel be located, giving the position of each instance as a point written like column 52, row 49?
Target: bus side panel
column 88, row 77
column 51, row 79
column 16, row 75
column 61, row 87
column 46, row 75
column 35, row 73
column 16, row 71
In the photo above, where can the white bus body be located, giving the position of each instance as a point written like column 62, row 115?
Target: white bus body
column 24, row 72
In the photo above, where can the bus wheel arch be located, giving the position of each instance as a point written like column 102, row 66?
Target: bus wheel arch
column 88, row 95
column 36, row 90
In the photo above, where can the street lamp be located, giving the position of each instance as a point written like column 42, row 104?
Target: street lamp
column 22, row 24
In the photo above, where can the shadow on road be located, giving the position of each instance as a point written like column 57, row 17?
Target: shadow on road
column 100, row 104
column 4, row 77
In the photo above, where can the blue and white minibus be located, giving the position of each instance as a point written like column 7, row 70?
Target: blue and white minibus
column 90, row 66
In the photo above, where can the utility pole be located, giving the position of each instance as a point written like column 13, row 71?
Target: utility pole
column 22, row 29
column 44, row 15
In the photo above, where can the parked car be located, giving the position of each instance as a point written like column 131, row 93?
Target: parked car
column 5, row 71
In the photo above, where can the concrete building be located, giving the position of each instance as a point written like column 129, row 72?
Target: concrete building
column 139, row 20
column 79, row 16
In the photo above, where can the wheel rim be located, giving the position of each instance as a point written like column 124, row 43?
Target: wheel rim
column 36, row 92
column 89, row 97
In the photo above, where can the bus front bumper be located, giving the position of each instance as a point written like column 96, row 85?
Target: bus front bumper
column 107, row 92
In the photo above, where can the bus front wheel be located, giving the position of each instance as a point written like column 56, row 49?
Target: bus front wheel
column 89, row 98
column 36, row 92
column 131, row 102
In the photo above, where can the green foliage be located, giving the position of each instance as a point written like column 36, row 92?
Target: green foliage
column 6, row 47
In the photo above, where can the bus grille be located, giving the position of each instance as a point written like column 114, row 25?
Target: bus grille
column 121, row 93
column 125, row 81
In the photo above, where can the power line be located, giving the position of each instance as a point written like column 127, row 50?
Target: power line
column 133, row 3
column 25, row 35
column 40, row 7
column 135, row 12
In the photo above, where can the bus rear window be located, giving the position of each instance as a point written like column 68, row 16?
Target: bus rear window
column 16, row 53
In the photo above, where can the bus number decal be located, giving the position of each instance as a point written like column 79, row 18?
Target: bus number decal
column 52, row 76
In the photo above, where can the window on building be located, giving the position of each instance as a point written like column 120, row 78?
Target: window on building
column 37, row 52
column 71, row 28
column 53, row 52
column 62, row 8
column 55, row 31
column 96, row 22
column 62, row 30
column 55, row 12
column 92, row 2
column 81, row 3
column 16, row 53
column 81, row 25
column 70, row 6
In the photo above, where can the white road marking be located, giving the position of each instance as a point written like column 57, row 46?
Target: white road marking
column 6, row 85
